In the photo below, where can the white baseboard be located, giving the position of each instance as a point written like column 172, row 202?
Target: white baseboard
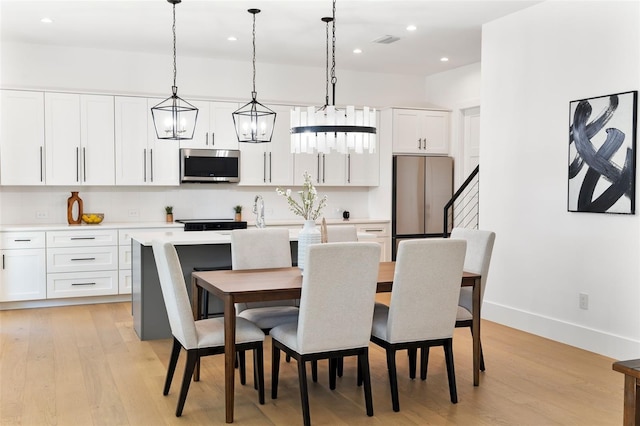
column 606, row 344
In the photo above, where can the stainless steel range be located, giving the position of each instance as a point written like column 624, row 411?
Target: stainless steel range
column 211, row 224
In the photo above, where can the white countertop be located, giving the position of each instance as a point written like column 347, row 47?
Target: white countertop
column 182, row 238
column 298, row 222
column 107, row 225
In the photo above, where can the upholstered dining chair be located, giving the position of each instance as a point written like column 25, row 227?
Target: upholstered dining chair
column 477, row 260
column 263, row 248
column 336, row 308
column 199, row 338
column 423, row 306
column 341, row 233
column 336, row 234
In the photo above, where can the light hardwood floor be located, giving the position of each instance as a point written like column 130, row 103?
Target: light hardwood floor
column 84, row 365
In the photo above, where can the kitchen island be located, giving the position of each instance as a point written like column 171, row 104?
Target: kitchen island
column 200, row 250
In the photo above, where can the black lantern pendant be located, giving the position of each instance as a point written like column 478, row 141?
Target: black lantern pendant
column 174, row 118
column 254, row 122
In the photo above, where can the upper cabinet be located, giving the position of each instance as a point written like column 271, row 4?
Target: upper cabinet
column 214, row 126
column 21, row 138
column 269, row 163
column 141, row 158
column 79, row 135
column 420, row 131
column 336, row 169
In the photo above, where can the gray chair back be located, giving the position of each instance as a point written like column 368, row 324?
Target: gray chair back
column 174, row 292
column 477, row 259
column 338, row 295
column 426, row 285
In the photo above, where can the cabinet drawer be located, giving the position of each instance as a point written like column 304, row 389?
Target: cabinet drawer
column 22, row 240
column 82, row 284
column 82, row 259
column 124, row 257
column 84, row 238
column 378, row 230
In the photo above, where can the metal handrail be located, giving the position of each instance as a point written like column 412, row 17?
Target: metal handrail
column 462, row 190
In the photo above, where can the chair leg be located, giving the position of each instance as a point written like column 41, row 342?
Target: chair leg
column 173, row 361
column 451, row 374
column 192, row 358
column 275, row 370
column 287, row 358
column 258, row 372
column 314, row 371
column 424, row 361
column 340, row 366
column 481, row 358
column 363, row 369
column 333, row 369
column 393, row 378
column 359, row 374
column 243, row 367
column 412, row 362
column 304, row 392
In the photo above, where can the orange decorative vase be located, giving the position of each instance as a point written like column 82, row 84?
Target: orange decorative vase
column 74, row 203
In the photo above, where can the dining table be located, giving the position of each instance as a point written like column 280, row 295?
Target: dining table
column 257, row 285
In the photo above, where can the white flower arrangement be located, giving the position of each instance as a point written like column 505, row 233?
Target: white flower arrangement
column 308, row 197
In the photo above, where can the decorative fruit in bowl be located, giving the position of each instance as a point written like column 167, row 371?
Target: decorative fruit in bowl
column 92, row 218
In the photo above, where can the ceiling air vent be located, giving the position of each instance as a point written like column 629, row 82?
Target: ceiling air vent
column 386, row 39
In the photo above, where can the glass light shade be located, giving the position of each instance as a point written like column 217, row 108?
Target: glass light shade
column 328, row 129
column 174, row 118
column 254, row 123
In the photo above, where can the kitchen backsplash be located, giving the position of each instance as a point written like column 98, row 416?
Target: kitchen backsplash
column 48, row 205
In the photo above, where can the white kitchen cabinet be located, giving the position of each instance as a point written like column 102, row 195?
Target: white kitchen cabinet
column 21, row 138
column 214, row 126
column 381, row 234
column 141, row 158
column 420, row 131
column 124, row 256
column 336, row 169
column 269, row 163
column 23, row 274
column 82, row 263
column 79, row 139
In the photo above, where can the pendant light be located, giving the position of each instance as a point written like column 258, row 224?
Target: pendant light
column 174, row 118
column 254, row 122
column 327, row 129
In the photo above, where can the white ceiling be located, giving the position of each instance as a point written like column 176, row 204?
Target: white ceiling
column 288, row 32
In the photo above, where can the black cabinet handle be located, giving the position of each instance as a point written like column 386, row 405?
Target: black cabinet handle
column 84, row 258
column 83, row 283
column 83, row 238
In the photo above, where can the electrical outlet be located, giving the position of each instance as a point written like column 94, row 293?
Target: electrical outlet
column 584, row 301
column 134, row 213
column 42, row 214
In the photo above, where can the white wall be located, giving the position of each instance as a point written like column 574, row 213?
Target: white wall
column 534, row 63
column 25, row 66
column 455, row 90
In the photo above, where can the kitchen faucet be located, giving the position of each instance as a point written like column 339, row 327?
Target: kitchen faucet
column 259, row 211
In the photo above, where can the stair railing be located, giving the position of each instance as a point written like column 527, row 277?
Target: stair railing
column 462, row 210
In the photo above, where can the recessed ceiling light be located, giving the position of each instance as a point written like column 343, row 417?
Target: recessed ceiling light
column 357, row 50
column 412, row 28
column 232, row 38
column 46, row 20
column 444, row 59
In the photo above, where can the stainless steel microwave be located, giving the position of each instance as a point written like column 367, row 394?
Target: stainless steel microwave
column 209, row 165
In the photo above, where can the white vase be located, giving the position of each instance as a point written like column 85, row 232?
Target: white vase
column 310, row 234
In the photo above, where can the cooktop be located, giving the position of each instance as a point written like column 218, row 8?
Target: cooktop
column 211, row 224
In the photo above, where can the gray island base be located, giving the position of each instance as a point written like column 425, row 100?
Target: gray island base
column 202, row 250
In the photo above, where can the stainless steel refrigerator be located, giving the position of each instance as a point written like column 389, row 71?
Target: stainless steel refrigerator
column 421, row 187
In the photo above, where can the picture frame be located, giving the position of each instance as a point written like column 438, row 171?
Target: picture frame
column 602, row 151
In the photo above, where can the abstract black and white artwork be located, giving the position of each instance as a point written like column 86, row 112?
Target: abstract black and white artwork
column 602, row 143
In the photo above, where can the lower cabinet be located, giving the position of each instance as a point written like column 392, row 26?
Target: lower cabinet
column 124, row 256
column 23, row 274
column 82, row 263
